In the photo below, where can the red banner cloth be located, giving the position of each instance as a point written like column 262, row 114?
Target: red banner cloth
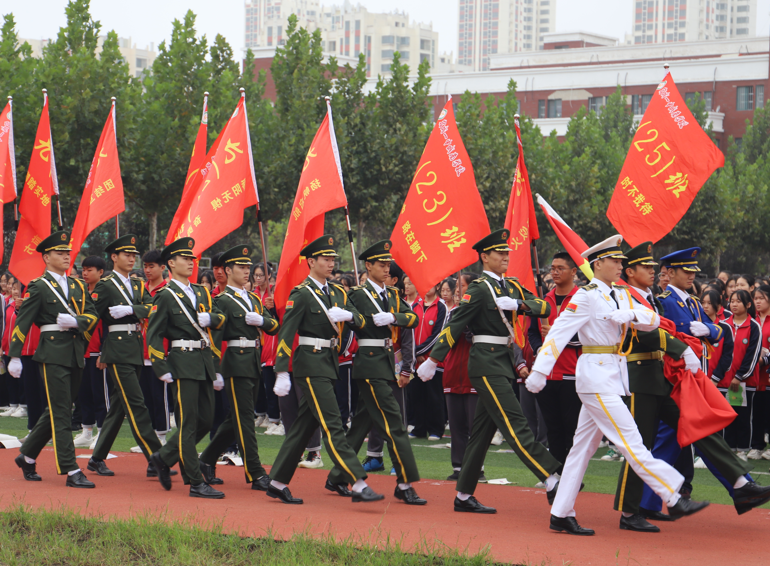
column 7, row 163
column 442, row 216
column 669, row 160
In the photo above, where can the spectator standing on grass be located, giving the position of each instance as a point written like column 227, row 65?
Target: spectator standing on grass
column 762, row 304
column 269, row 415
column 18, row 406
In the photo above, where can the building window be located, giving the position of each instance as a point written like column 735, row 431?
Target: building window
column 760, row 97
column 706, row 96
column 385, row 68
column 742, row 31
column 332, row 46
column 742, row 9
column 745, row 98
column 403, row 41
column 426, row 56
column 388, row 40
column 554, row 108
column 639, row 103
column 541, row 108
column 404, row 55
column 387, row 54
column 425, row 44
column 596, row 103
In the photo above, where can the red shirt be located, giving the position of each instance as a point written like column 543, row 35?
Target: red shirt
column 152, row 293
column 269, row 343
column 764, row 379
column 432, row 320
column 456, row 378
column 95, row 345
column 33, row 336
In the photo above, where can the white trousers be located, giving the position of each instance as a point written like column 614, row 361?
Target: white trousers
column 607, row 415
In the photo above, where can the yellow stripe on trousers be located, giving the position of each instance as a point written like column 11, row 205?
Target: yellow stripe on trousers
column 240, row 430
column 625, row 467
column 510, row 429
column 129, row 411
column 606, row 412
column 181, row 419
column 387, row 431
column 50, row 416
column 328, row 434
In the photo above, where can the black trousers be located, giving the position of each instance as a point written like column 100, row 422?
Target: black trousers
column 744, row 433
column 34, row 390
column 428, row 406
column 289, row 410
column 376, row 443
column 462, row 410
column 560, row 407
column 158, row 399
column 94, row 394
column 346, row 390
column 271, row 406
column 15, row 387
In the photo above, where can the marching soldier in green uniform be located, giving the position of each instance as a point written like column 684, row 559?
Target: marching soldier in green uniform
column 239, row 367
column 63, row 311
column 183, row 314
column 122, row 303
column 316, row 311
column 375, row 368
column 651, row 402
column 490, row 308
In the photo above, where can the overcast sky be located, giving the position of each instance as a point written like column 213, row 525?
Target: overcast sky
column 149, row 21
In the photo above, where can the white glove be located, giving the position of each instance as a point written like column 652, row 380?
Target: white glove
column 691, row 361
column 66, row 321
column 254, row 319
column 535, row 382
column 699, row 329
column 204, row 319
column 623, row 316
column 507, row 304
column 14, row 368
column 340, row 315
column 383, row 318
column 219, row 383
column 282, row 384
column 120, row 311
column 427, row 370
column 167, row 378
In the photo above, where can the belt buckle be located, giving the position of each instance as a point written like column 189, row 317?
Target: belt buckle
column 510, row 341
column 388, row 342
column 184, row 348
column 317, row 345
column 334, row 342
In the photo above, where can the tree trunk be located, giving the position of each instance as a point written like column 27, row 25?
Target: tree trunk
column 153, row 230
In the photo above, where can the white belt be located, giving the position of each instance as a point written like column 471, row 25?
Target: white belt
column 124, row 328
column 242, row 343
column 188, row 344
column 52, row 328
column 317, row 343
column 379, row 343
column 486, row 339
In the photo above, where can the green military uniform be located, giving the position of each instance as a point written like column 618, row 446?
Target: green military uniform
column 240, row 367
column 190, row 362
column 123, row 352
column 315, row 367
column 651, row 401
column 60, row 353
column 491, row 369
column 375, row 367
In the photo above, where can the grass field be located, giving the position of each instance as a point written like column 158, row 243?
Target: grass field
column 434, row 463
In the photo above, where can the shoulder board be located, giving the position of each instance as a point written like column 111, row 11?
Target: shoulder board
column 620, row 286
column 392, row 288
column 303, row 284
column 37, row 279
column 254, row 295
column 511, row 278
column 357, row 287
column 696, row 297
column 340, row 287
column 590, row 287
column 664, row 294
column 107, row 277
column 479, row 280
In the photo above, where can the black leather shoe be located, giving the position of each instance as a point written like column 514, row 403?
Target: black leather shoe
column 99, row 467
column 637, row 523
column 79, row 480
column 261, row 484
column 472, row 505
column 153, row 473
column 209, row 474
column 338, row 488
column 27, row 469
column 454, row 477
column 749, row 496
column 366, row 495
column 284, row 495
column 205, row 491
column 409, row 496
column 570, row 526
column 654, row 515
column 551, row 495
column 686, row 507
column 163, row 471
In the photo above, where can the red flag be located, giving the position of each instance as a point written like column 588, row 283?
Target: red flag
column 573, row 244
column 103, row 193
column 320, row 190
column 224, row 187
column 7, row 163
column 197, row 159
column 442, row 216
column 521, row 222
column 669, row 160
column 35, row 207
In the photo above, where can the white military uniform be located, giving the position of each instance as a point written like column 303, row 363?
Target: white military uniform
column 601, row 380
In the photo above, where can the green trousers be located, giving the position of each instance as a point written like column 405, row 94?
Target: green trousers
column 648, row 410
column 498, row 408
column 61, row 385
column 318, row 406
column 377, row 407
column 126, row 402
column 238, row 426
column 194, row 414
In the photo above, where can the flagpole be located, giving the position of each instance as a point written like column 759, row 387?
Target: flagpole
column 115, row 130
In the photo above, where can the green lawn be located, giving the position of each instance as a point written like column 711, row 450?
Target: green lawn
column 434, row 463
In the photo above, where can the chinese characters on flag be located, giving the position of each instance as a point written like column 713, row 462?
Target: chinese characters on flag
column 320, row 190
column 442, row 216
column 521, row 223
column 40, row 186
column 7, row 163
column 103, row 193
column 669, row 160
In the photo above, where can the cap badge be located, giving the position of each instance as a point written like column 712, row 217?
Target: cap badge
column 133, row 240
column 386, row 246
column 245, row 251
column 649, row 249
column 63, row 237
column 331, row 241
column 189, row 243
column 694, row 253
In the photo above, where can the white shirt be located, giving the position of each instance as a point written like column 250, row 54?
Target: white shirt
column 684, row 295
column 493, row 276
column 647, row 294
column 188, row 291
column 127, row 282
column 243, row 293
column 377, row 288
column 322, row 286
column 62, row 281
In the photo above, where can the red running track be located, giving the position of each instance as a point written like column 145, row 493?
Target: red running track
column 518, row 533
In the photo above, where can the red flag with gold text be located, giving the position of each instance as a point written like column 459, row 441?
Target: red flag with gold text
column 442, row 216
column 320, row 190
column 669, row 160
column 103, row 194
column 7, row 163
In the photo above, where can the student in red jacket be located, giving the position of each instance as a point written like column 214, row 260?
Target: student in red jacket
column 721, row 358
column 762, row 396
column 268, row 413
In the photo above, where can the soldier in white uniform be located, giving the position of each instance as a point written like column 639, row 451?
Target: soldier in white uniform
column 601, row 313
